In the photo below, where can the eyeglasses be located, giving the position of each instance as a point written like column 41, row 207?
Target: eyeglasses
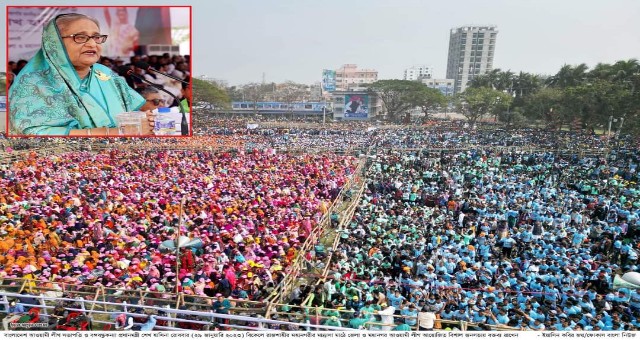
column 156, row 102
column 83, row 38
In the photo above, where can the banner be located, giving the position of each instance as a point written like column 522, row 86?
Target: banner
column 356, row 106
column 128, row 28
column 329, row 80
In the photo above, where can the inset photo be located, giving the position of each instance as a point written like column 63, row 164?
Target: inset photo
column 99, row 71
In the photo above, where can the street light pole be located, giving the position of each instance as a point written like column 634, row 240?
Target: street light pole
column 620, row 127
column 184, row 198
column 324, row 116
column 495, row 118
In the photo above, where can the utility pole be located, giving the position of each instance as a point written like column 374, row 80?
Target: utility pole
column 324, row 115
column 620, row 127
column 184, row 198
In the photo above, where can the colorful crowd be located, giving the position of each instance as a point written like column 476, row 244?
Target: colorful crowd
column 453, row 224
column 112, row 218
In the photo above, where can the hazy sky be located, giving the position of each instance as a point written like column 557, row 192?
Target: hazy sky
column 238, row 40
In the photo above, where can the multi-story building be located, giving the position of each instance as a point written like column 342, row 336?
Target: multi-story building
column 471, row 50
column 418, row 72
column 349, row 76
column 445, row 86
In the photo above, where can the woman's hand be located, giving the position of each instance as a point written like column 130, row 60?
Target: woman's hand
column 147, row 126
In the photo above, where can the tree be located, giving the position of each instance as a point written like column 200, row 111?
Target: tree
column 625, row 70
column 525, row 84
column 482, row 80
column 209, row 94
column 569, row 76
column 428, row 99
column 3, row 84
column 235, row 93
column 255, row 93
column 574, row 93
column 474, row 103
column 505, row 81
column 594, row 102
column 546, row 105
column 291, row 92
column 398, row 96
column 490, row 79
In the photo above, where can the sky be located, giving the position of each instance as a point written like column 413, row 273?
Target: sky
column 239, row 41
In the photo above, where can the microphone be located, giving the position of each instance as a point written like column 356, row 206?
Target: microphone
column 184, row 126
column 147, row 67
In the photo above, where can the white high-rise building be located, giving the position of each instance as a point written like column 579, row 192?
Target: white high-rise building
column 471, row 50
column 418, row 72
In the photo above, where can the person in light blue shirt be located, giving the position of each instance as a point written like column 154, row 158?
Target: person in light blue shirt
column 634, row 302
column 577, row 239
column 536, row 287
column 527, row 235
column 564, row 325
column 536, row 325
column 461, row 315
column 149, row 324
column 421, row 268
column 508, row 243
column 479, row 317
column 15, row 308
column 395, row 299
column 447, row 313
column 621, row 297
column 573, row 309
column 535, row 314
column 502, row 318
column 491, row 266
column 410, row 315
column 586, row 305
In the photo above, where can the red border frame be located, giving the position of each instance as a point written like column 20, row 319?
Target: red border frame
column 6, row 49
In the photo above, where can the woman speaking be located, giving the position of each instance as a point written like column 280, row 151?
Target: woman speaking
column 62, row 91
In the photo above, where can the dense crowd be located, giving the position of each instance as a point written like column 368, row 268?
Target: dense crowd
column 529, row 241
column 466, row 231
column 112, row 218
